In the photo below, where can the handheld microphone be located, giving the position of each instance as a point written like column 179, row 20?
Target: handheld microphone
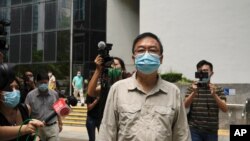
column 101, row 45
column 61, row 107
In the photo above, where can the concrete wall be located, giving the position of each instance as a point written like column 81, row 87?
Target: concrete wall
column 122, row 28
column 217, row 31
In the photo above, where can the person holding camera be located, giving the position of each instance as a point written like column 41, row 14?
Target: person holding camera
column 15, row 122
column 144, row 106
column 102, row 79
column 204, row 99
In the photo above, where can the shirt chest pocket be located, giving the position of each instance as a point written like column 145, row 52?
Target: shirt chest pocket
column 164, row 118
column 128, row 113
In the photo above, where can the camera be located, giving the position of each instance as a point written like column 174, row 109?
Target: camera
column 103, row 50
column 203, row 79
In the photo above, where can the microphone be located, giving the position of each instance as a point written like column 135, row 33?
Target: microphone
column 101, row 45
column 61, row 107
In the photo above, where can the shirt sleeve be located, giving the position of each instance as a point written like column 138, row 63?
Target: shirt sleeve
column 27, row 99
column 109, row 129
column 180, row 126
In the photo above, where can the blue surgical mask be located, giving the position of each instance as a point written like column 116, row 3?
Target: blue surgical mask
column 43, row 87
column 206, row 80
column 11, row 99
column 147, row 63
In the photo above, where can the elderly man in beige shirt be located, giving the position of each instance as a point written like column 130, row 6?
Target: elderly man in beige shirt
column 144, row 107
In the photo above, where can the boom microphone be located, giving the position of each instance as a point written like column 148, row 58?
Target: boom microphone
column 62, row 107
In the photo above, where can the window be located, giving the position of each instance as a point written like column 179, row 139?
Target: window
column 37, row 47
column 26, row 18
column 15, row 20
column 14, row 49
column 50, row 16
column 49, row 46
column 25, row 48
column 63, row 43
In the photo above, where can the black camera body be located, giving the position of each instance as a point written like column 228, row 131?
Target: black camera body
column 201, row 76
column 103, row 50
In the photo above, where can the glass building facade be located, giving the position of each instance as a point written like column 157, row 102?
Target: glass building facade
column 39, row 34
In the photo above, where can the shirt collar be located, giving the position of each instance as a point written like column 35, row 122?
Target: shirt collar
column 133, row 85
column 40, row 94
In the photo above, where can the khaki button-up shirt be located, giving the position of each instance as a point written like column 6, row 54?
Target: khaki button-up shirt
column 131, row 115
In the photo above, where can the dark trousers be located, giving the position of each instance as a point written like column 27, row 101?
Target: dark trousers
column 201, row 136
column 91, row 125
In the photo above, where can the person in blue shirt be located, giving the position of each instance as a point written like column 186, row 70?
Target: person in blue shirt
column 77, row 84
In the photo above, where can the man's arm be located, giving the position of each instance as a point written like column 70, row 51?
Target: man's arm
column 92, row 105
column 191, row 94
column 180, row 126
column 220, row 102
column 60, row 124
column 73, row 82
column 109, row 125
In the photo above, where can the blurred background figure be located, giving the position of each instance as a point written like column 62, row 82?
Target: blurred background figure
column 1, row 57
column 77, row 84
column 28, row 85
column 41, row 99
column 52, row 80
column 92, row 115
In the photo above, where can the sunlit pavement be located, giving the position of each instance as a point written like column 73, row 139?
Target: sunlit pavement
column 73, row 133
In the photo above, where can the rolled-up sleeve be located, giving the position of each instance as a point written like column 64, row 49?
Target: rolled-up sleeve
column 180, row 128
column 109, row 126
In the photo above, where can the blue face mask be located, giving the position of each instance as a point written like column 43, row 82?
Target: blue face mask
column 11, row 99
column 147, row 63
column 43, row 87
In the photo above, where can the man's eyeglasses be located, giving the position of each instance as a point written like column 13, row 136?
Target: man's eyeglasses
column 150, row 50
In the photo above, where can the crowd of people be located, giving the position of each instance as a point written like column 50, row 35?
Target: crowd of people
column 122, row 106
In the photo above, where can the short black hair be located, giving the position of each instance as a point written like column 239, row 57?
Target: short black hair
column 42, row 76
column 7, row 75
column 144, row 35
column 204, row 62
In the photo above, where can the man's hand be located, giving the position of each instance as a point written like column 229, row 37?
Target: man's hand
column 195, row 88
column 60, row 125
column 212, row 88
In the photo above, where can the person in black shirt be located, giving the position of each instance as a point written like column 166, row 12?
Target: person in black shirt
column 12, row 112
column 92, row 116
column 105, row 77
column 28, row 85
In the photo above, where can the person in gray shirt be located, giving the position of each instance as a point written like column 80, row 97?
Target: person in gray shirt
column 41, row 101
column 145, row 107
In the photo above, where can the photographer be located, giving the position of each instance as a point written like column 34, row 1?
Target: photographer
column 204, row 100
column 107, row 76
column 14, row 116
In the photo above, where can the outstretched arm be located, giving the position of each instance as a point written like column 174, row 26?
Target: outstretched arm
column 93, row 82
